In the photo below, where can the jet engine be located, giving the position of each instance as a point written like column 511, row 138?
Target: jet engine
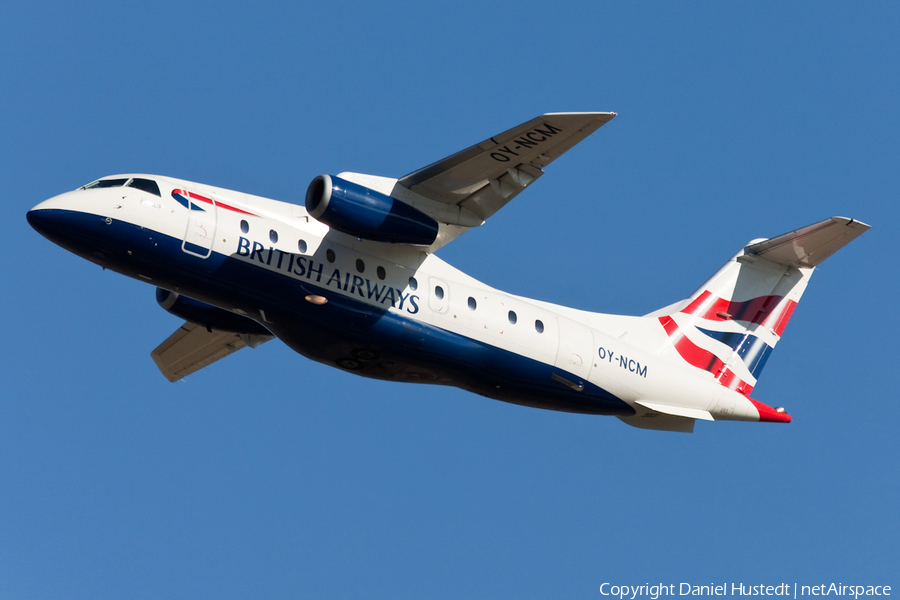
column 367, row 214
column 207, row 315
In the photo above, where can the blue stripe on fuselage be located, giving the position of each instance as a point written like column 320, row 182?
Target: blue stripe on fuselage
column 327, row 333
column 187, row 203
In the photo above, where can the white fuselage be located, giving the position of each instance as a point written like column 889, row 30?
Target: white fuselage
column 265, row 249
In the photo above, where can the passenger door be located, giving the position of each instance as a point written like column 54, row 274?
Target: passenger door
column 576, row 348
column 201, row 224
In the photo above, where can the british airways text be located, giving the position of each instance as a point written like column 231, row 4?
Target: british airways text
column 303, row 266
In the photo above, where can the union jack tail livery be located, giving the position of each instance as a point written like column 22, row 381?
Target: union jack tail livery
column 731, row 324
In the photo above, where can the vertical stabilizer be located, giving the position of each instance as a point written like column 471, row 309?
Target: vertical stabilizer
column 730, row 325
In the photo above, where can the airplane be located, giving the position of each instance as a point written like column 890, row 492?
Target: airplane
column 350, row 279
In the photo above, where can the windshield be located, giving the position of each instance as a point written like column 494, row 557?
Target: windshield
column 146, row 185
column 105, row 183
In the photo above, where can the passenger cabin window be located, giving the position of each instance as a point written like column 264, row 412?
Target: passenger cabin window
column 105, row 183
column 472, row 304
column 273, row 236
column 245, row 226
column 539, row 326
column 301, row 246
column 329, row 255
column 413, row 284
column 438, row 292
column 381, row 273
column 512, row 317
column 360, row 265
column 145, row 185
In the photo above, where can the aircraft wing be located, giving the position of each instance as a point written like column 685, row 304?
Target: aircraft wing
column 480, row 180
column 193, row 347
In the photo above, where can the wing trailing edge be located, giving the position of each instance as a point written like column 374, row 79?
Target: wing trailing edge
column 472, row 185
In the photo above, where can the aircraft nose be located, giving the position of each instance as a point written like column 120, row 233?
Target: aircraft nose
column 45, row 221
column 50, row 220
column 74, row 230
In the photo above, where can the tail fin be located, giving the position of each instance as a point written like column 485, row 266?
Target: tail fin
column 730, row 325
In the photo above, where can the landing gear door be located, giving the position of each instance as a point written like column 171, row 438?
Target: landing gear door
column 576, row 349
column 201, row 223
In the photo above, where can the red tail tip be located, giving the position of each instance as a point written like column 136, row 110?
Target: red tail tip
column 768, row 414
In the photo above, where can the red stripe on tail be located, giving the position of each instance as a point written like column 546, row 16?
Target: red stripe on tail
column 755, row 310
column 703, row 359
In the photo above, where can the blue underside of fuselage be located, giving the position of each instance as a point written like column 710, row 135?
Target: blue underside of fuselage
column 347, row 333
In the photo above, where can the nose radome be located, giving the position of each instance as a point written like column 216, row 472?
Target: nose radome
column 35, row 218
column 59, row 220
column 49, row 222
column 50, row 216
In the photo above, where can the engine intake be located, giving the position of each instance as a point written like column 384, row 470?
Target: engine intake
column 207, row 315
column 364, row 213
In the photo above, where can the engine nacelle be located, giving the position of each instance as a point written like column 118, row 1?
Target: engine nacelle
column 207, row 315
column 367, row 214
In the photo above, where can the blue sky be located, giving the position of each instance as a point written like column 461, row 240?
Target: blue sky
column 268, row 475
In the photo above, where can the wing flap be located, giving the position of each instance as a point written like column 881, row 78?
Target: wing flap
column 193, row 347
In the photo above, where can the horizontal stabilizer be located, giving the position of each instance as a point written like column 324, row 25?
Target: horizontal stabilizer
column 193, row 347
column 809, row 246
column 677, row 411
column 660, row 422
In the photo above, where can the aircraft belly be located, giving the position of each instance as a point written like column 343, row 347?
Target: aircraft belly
column 398, row 349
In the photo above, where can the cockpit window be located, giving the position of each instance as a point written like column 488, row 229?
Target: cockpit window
column 105, row 183
column 146, row 185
